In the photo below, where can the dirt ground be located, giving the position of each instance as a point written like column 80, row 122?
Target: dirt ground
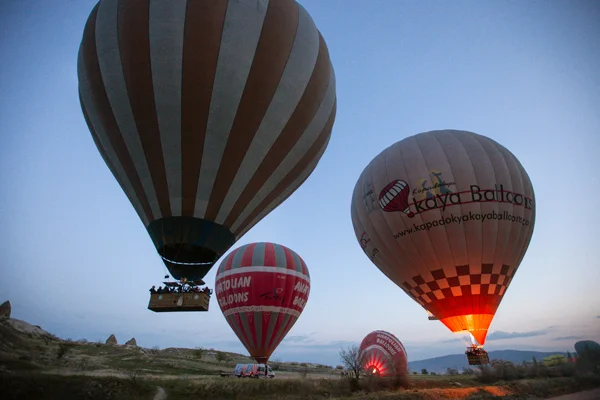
column 585, row 395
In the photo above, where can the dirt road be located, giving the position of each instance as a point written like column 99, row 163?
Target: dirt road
column 587, row 395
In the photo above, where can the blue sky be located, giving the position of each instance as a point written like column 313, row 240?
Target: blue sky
column 76, row 260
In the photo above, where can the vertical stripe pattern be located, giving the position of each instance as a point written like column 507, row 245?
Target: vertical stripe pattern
column 216, row 109
column 262, row 289
column 447, row 216
column 383, row 354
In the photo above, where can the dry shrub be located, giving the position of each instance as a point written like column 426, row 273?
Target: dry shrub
column 56, row 387
column 546, row 387
column 260, row 388
column 64, row 348
column 510, row 372
column 376, row 384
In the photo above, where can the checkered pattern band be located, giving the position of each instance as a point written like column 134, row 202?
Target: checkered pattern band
column 463, row 282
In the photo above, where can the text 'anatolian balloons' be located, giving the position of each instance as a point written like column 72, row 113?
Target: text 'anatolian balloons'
column 382, row 354
column 447, row 216
column 262, row 289
column 209, row 114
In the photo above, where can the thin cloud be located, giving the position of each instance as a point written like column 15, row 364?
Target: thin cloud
column 567, row 338
column 452, row 340
column 501, row 335
column 298, row 339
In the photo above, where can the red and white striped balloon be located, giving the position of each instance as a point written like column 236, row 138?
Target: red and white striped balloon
column 383, row 354
column 209, row 114
column 262, row 289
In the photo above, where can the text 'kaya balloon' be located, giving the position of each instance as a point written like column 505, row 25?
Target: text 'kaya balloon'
column 262, row 289
column 208, row 113
column 447, row 216
column 382, row 354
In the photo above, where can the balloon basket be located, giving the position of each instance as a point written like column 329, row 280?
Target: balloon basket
column 178, row 302
column 477, row 356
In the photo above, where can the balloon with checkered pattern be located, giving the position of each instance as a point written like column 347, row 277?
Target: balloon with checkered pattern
column 455, row 218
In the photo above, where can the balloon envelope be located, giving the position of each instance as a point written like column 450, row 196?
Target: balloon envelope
column 447, row 216
column 208, row 113
column 381, row 353
column 262, row 289
column 583, row 346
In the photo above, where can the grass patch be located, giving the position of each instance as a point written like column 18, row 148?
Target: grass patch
column 19, row 365
column 545, row 387
column 159, row 366
column 423, row 382
column 51, row 387
column 233, row 388
column 54, row 387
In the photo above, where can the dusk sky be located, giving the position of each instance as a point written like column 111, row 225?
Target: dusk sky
column 76, row 259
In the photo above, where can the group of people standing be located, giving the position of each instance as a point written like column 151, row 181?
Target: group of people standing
column 180, row 289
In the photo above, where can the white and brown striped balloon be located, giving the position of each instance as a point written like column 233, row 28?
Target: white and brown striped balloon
column 447, row 216
column 212, row 109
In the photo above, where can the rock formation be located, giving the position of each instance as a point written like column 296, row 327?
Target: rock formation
column 5, row 309
column 131, row 342
column 111, row 340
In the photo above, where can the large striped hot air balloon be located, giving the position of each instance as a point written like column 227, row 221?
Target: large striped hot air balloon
column 209, row 113
column 382, row 354
column 262, row 289
column 447, row 216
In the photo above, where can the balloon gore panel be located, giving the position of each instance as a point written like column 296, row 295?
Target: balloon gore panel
column 447, row 215
column 262, row 288
column 189, row 246
column 382, row 354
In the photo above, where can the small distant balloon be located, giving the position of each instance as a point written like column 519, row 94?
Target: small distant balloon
column 583, row 346
column 382, row 354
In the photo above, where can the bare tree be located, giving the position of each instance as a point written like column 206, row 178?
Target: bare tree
column 220, row 356
column 351, row 359
column 132, row 374
column 153, row 353
column 63, row 348
column 200, row 352
column 276, row 364
column 47, row 339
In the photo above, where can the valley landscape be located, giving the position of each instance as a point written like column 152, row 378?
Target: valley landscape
column 38, row 365
column 270, row 195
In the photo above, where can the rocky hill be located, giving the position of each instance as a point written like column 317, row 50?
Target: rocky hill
column 35, row 364
column 27, row 347
column 459, row 361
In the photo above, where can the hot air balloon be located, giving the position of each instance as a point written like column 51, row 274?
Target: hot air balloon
column 587, row 345
column 209, row 114
column 262, row 289
column 448, row 216
column 382, row 354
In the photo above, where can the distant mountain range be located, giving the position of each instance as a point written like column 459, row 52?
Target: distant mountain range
column 459, row 361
